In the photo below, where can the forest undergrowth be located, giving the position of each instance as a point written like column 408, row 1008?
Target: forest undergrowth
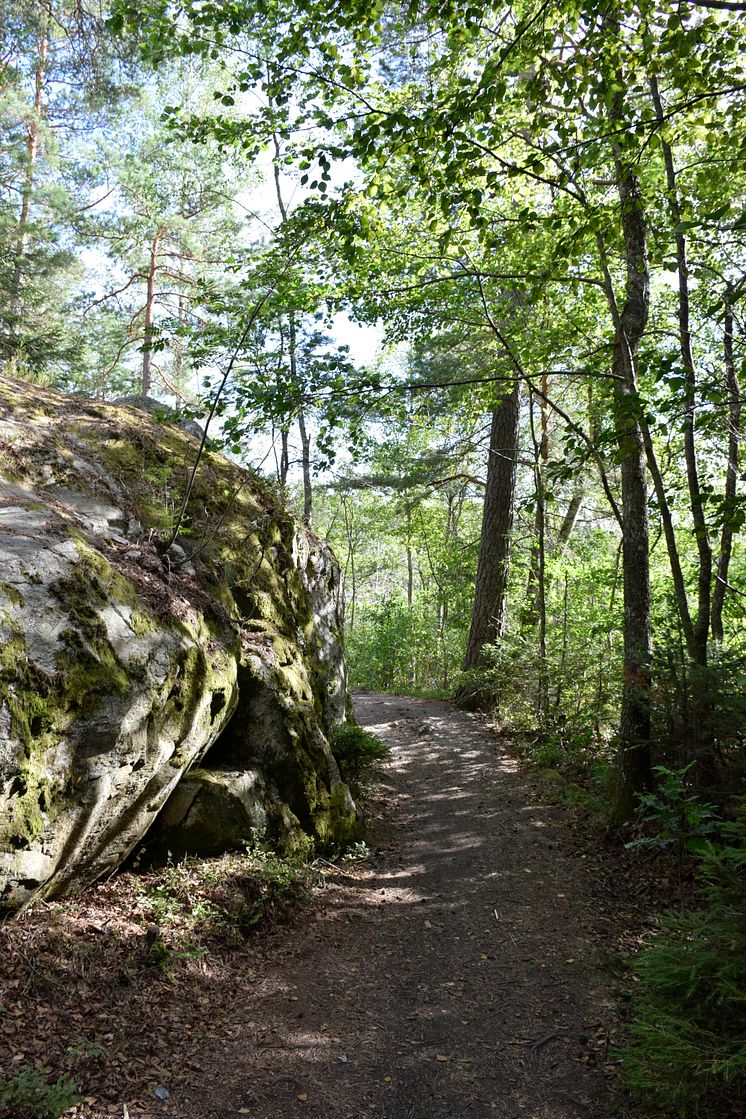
column 105, row 995
column 85, row 980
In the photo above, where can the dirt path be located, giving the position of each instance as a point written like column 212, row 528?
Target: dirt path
column 452, row 976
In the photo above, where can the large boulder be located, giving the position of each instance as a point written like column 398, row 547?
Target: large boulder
column 135, row 677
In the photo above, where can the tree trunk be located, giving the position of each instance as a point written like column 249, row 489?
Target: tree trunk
column 701, row 535
column 305, row 444
column 634, row 766
column 284, row 457
column 541, row 582
column 493, row 565
column 178, row 346
column 350, row 563
column 145, row 378
column 569, row 519
column 410, row 562
column 33, row 142
column 535, row 610
column 305, row 438
column 669, row 532
column 702, row 729
column 731, row 480
column 533, row 605
column 535, row 588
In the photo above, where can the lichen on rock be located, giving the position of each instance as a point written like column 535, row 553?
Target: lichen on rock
column 131, row 675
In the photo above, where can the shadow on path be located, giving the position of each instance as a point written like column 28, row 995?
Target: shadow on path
column 451, row 975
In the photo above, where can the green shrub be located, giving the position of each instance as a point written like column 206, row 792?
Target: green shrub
column 199, row 905
column 676, row 816
column 688, row 1048
column 356, row 749
column 685, row 695
column 29, row 1094
column 572, row 729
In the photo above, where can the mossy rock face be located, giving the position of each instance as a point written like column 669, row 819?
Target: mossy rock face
column 211, row 811
column 122, row 666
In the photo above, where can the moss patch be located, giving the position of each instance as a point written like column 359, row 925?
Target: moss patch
column 12, row 594
column 39, row 717
column 95, row 581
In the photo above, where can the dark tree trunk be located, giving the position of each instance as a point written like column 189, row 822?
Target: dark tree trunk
column 701, row 730
column 533, row 605
column 493, row 565
column 535, row 611
column 282, row 476
column 535, row 587
column 634, row 766
column 698, row 651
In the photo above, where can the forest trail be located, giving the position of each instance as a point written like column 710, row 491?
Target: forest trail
column 451, row 975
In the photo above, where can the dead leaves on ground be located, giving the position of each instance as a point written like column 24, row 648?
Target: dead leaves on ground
column 87, row 989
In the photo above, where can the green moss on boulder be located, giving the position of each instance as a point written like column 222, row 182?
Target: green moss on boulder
column 125, row 666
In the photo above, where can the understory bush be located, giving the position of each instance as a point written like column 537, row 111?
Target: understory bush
column 393, row 647
column 355, row 749
column 566, row 722
column 673, row 817
column 200, row 905
column 687, row 1053
column 699, row 709
column 29, row 1094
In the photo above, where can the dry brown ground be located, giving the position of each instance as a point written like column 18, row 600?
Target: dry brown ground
column 452, row 973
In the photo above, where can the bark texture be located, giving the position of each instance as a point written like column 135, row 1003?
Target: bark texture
column 634, row 767
column 493, row 565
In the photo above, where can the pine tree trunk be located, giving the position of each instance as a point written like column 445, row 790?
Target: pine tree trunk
column 145, row 377
column 305, row 443
column 33, row 142
column 493, row 565
column 569, row 519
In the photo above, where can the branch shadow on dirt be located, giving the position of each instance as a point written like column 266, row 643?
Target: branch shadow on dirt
column 445, row 976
